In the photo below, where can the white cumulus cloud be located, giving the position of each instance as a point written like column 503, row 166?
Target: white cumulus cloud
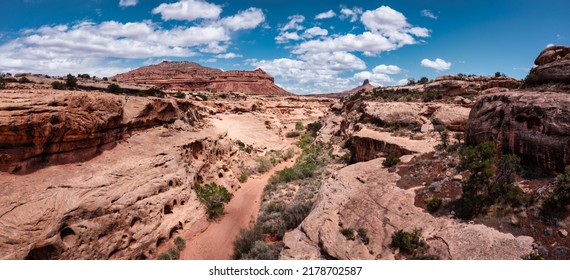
column 438, row 64
column 128, row 3
column 392, row 24
column 314, row 32
column 327, row 14
column 188, row 10
column 351, row 14
column 228, row 55
column 247, row 19
column 387, row 69
column 379, row 75
column 294, row 23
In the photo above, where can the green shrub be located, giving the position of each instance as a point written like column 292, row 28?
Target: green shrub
column 245, row 242
column 295, row 213
column 213, row 197
column 560, row 198
column 243, row 176
column 363, row 235
column 24, row 80
column 2, row 83
column 180, row 243
column 305, row 141
column 164, row 256
column 70, row 81
column 114, row 88
column 434, row 204
column 314, row 128
column 58, row 85
column 289, row 154
column 408, row 242
column 263, row 164
column 348, row 233
column 390, row 161
column 299, row 126
column 260, row 251
column 174, row 253
column 479, row 160
column 292, row 134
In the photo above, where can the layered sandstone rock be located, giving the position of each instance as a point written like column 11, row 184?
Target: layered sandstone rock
column 192, row 76
column 368, row 144
column 459, row 85
column 58, row 127
column 123, row 204
column 365, row 196
column 552, row 65
column 533, row 125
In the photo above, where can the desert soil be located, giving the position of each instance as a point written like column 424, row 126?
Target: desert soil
column 216, row 242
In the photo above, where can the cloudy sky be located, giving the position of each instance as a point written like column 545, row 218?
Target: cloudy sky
column 309, row 46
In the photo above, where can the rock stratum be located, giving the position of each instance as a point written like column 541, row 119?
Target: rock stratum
column 61, row 127
column 193, row 76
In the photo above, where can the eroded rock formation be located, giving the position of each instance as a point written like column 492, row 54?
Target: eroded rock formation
column 193, row 76
column 60, row 127
column 552, row 65
column 533, row 125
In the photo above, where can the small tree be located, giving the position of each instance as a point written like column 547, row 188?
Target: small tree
column 213, row 197
column 299, row 126
column 70, row 81
column 423, row 80
column 114, row 88
column 2, row 83
column 479, row 161
column 499, row 74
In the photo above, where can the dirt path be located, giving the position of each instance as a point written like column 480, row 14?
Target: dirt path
column 216, row 242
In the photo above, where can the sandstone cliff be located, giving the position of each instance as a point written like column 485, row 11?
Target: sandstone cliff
column 58, row 127
column 192, row 76
column 533, row 125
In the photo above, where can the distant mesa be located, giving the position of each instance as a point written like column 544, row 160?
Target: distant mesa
column 193, row 76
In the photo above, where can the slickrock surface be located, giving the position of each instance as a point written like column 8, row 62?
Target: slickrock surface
column 121, row 204
column 364, row 195
column 533, row 125
column 193, row 76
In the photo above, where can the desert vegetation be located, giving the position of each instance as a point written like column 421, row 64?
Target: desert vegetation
column 214, row 197
column 287, row 200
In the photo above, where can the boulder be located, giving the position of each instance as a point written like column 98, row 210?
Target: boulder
column 394, row 113
column 452, row 117
column 553, row 65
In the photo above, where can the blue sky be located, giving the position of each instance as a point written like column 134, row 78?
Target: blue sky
column 309, row 46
